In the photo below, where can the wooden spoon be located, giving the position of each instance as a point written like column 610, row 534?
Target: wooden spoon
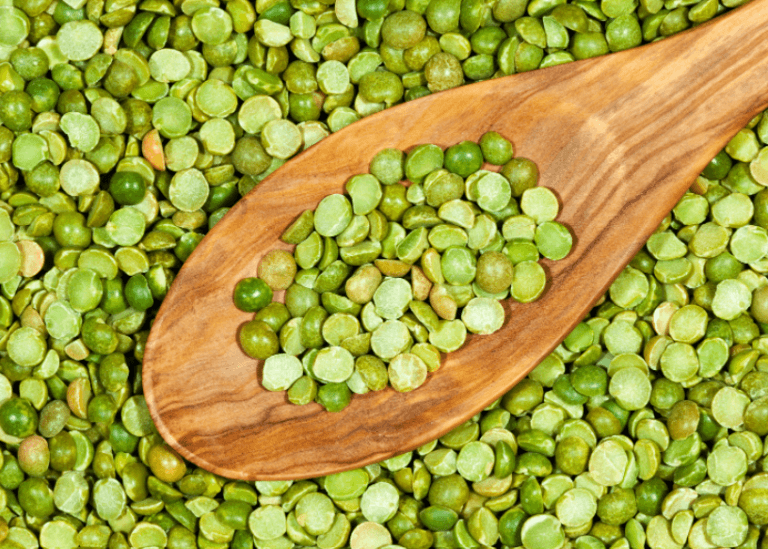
column 619, row 138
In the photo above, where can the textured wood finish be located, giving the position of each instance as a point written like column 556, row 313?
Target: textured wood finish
column 619, row 138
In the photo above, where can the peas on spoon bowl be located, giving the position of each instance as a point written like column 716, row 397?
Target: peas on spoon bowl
column 619, row 139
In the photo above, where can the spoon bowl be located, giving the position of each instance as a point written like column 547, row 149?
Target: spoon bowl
column 618, row 138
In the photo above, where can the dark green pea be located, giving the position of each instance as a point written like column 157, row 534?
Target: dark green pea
column 753, row 502
column 744, row 329
column 703, row 393
column 692, row 474
column 279, row 12
column 68, row 77
column 464, row 158
column 572, row 455
column 44, row 179
column 139, row 116
column 16, row 110
column 722, row 267
column 135, row 30
column 69, row 230
column 36, row 497
column 275, row 315
column 187, row 244
column 504, row 464
column 249, row 157
column 438, row 518
column 113, row 298
column 99, row 336
column 572, row 17
column 588, row 44
column 443, row 71
column 180, row 33
column 192, row 485
column 216, row 216
column 6, row 142
column 44, row 93
column 643, row 261
column 621, row 414
column 496, row 150
column 416, row 92
column 756, row 417
column 665, row 393
column 102, row 409
column 623, row 33
column 759, row 308
column 71, row 101
column 403, row 29
column 18, row 417
column 443, row 15
column 66, row 13
column 311, row 326
column 221, row 55
column 305, row 106
column 120, row 439
column 718, row 167
column 450, row 491
column 649, row 496
column 104, row 465
column 299, row 299
column 511, row 527
column 57, row 388
column 334, row 397
column 113, row 372
column 121, row 79
column 603, row 422
column 234, row 514
column 393, row 202
column 473, row 15
column 157, row 34
column 522, row 174
column 11, row 474
column 138, row 294
column 617, row 507
column 63, row 451
column 252, row 294
column 523, row 397
column 487, row 40
column 127, row 188
column 566, row 391
column 372, row 9
column 528, row 57
column 40, row 26
column 242, row 539
column 134, row 477
column 29, row 62
column 258, row 340
column 416, row 538
column 760, row 201
column 675, row 21
column 13, row 371
column 166, row 464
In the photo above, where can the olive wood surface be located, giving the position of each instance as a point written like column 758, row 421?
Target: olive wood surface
column 619, row 138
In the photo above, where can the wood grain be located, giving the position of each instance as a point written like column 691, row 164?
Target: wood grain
column 619, row 138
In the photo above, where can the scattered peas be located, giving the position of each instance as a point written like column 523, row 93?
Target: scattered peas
column 103, row 105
